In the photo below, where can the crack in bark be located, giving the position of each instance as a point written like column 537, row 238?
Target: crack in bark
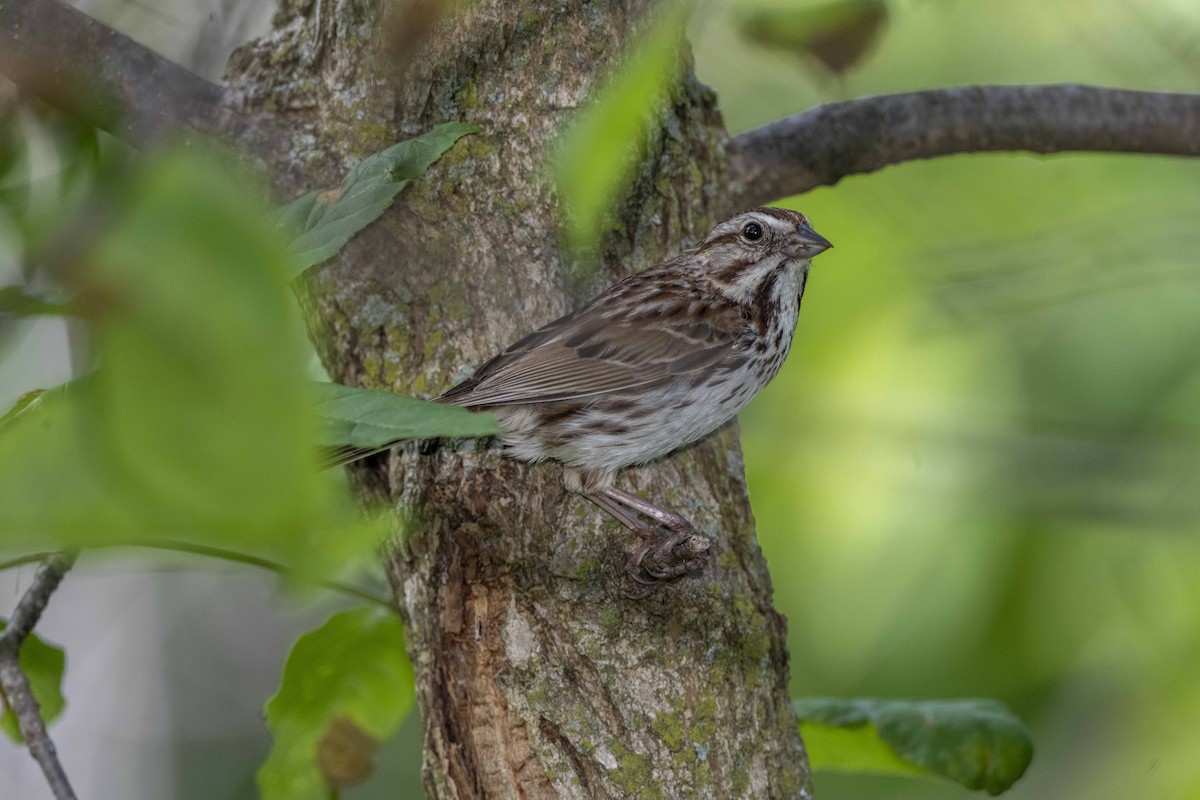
column 578, row 671
column 585, row 769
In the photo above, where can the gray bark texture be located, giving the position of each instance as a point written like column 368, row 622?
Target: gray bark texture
column 537, row 677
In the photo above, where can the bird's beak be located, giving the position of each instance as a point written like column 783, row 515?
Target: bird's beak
column 806, row 243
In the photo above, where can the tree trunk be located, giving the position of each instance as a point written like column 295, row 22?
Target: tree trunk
column 537, row 676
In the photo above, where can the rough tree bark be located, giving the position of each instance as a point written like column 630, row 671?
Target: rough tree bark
column 537, row 677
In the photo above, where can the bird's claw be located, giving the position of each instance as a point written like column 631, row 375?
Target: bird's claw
column 665, row 555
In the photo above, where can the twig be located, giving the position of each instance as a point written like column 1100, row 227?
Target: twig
column 825, row 144
column 15, row 683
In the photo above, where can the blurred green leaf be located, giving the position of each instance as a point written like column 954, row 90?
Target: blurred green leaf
column 49, row 163
column 346, row 687
column 364, row 418
column 977, row 743
column 14, row 159
column 55, row 488
column 323, row 226
column 44, row 665
column 26, row 402
column 198, row 424
column 596, row 157
column 16, row 302
column 202, row 352
column 838, row 34
column 78, row 145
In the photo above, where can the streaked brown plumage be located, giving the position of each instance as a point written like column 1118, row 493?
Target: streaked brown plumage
column 655, row 362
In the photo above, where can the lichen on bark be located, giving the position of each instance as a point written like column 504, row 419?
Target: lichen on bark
column 537, row 676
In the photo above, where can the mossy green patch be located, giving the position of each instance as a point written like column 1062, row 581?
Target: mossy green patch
column 587, row 569
column 282, row 52
column 468, row 96
column 740, row 782
column 669, row 727
column 470, row 148
column 538, row 696
column 633, row 774
column 790, row 782
column 756, row 646
column 704, row 720
column 610, row 619
column 530, row 19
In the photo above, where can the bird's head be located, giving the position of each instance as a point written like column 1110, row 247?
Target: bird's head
column 744, row 251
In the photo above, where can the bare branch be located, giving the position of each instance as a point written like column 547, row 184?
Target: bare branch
column 15, row 683
column 825, row 144
column 91, row 71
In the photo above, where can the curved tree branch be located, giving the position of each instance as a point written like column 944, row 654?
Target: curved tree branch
column 91, row 71
column 821, row 146
column 15, row 683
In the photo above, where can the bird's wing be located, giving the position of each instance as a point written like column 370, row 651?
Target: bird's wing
column 597, row 351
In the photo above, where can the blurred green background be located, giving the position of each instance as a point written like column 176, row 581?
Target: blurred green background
column 975, row 476
column 977, row 473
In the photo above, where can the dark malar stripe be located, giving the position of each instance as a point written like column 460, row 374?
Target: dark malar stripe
column 763, row 306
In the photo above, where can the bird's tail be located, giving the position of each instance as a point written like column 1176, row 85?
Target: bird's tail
column 340, row 456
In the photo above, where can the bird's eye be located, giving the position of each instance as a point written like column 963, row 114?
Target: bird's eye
column 752, row 231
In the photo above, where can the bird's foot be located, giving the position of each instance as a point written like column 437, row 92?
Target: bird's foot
column 665, row 555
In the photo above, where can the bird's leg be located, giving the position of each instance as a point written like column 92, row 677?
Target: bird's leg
column 618, row 511
column 672, row 521
column 662, row 557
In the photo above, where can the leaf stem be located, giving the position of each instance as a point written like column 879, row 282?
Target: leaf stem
column 225, row 555
column 20, row 561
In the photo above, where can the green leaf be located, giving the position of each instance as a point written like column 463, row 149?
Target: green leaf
column 198, row 424
column 346, row 687
column 364, row 418
column 837, row 34
column 977, row 743
column 597, row 156
column 54, row 488
column 44, row 665
column 201, row 392
column 365, row 194
column 25, row 403
column 293, row 219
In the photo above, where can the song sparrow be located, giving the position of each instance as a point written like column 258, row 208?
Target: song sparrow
column 655, row 362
